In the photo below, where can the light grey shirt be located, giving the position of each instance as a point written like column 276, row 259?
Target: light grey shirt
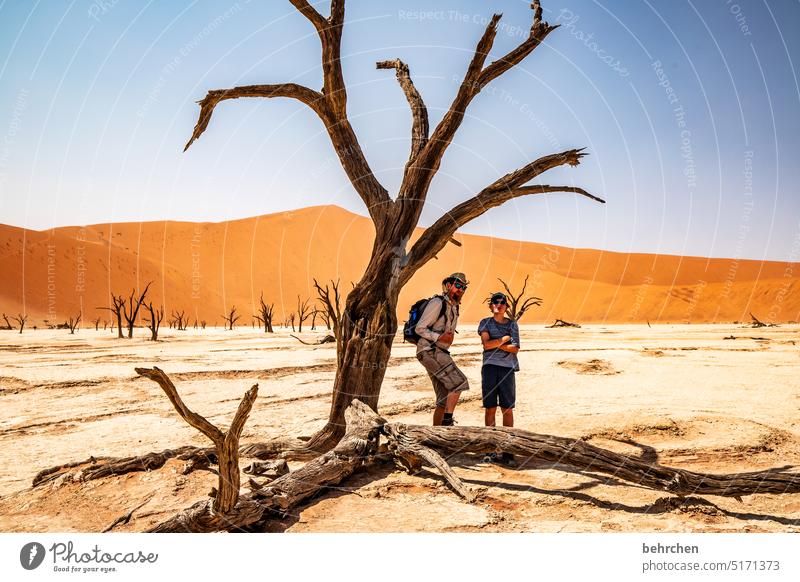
column 430, row 326
column 496, row 330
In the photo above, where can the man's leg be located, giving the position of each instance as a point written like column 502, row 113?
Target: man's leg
column 508, row 417
column 452, row 400
column 438, row 415
column 489, row 416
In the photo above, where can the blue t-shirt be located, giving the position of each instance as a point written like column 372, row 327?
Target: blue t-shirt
column 496, row 330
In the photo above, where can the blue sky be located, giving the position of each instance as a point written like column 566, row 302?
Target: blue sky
column 690, row 111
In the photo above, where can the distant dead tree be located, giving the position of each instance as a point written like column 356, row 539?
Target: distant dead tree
column 231, row 318
column 21, row 319
column 131, row 311
column 519, row 304
column 303, row 312
column 562, row 323
column 97, row 323
column 105, row 325
column 758, row 323
column 202, row 323
column 180, row 319
column 331, row 303
column 8, row 325
column 291, row 320
column 117, row 308
column 156, row 317
column 73, row 323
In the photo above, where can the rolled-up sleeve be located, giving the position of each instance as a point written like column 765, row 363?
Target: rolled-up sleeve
column 428, row 318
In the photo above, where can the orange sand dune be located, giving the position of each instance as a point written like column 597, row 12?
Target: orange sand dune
column 204, row 268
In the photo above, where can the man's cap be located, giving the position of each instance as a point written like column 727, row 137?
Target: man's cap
column 458, row 277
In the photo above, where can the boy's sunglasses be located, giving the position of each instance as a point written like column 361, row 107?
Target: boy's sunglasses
column 499, row 302
column 460, row 285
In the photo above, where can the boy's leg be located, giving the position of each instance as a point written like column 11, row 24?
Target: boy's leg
column 490, row 415
column 508, row 417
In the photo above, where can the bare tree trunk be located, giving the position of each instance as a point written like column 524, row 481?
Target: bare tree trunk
column 364, row 339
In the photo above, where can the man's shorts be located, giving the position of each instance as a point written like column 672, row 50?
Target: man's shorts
column 498, row 386
column 444, row 373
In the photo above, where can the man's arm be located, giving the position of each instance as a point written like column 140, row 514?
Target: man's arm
column 427, row 319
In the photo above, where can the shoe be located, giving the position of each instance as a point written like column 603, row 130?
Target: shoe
column 509, row 461
column 490, row 458
column 449, row 422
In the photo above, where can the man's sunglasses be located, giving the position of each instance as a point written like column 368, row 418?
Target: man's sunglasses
column 499, row 302
column 460, row 285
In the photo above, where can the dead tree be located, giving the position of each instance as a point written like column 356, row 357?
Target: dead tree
column 117, row 308
column 8, row 325
column 331, row 303
column 369, row 322
column 156, row 317
column 97, row 323
column 562, row 323
column 202, row 324
column 21, row 319
column 226, row 443
column 758, row 323
column 180, row 319
column 231, row 318
column 304, row 311
column 265, row 314
column 291, row 320
column 131, row 311
column 519, row 304
column 73, row 323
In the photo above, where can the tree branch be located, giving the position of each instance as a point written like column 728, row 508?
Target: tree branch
column 330, row 105
column 419, row 113
column 158, row 376
column 506, row 188
column 313, row 99
column 304, row 8
column 418, row 178
column 539, row 30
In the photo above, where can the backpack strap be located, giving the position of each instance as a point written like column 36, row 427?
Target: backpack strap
column 443, row 310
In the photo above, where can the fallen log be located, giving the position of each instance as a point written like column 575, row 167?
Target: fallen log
column 410, row 446
column 562, row 323
column 328, row 339
column 356, row 449
column 581, row 455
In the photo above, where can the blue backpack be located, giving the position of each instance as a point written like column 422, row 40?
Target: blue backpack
column 414, row 314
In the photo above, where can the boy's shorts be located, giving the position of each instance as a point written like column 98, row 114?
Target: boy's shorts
column 499, row 386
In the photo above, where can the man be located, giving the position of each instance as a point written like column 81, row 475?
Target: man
column 436, row 327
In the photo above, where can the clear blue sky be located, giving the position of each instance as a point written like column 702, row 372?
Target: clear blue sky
column 97, row 99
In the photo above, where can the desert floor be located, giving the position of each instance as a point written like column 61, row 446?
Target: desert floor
column 678, row 393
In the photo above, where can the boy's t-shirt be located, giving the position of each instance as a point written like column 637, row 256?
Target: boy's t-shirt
column 497, row 330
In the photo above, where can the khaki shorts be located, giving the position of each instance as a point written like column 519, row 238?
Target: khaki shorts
column 444, row 373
